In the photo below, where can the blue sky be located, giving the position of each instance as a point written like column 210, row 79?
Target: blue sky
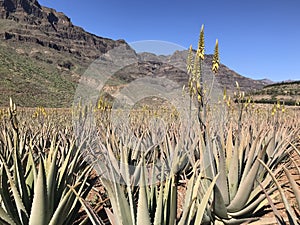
column 257, row 38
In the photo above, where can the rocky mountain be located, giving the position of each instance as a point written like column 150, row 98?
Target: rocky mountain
column 29, row 22
column 43, row 55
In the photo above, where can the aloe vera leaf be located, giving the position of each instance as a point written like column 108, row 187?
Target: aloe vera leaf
column 123, row 205
column 246, row 186
column 20, row 181
column 219, row 206
column 74, row 207
column 109, row 186
column 136, row 150
column 111, row 217
column 5, row 217
column 91, row 214
column 66, row 163
column 233, row 175
column 158, row 218
column 75, row 162
column 142, row 209
column 251, row 155
column 204, row 201
column 205, row 155
column 229, row 146
column 278, row 217
column 173, row 201
column 295, row 186
column 16, row 195
column 51, row 180
column 266, row 182
column 58, row 216
column 222, row 181
column 291, row 214
column 38, row 214
column 9, row 205
column 188, row 202
column 50, row 155
column 167, row 192
column 195, row 193
column 124, row 163
column 31, row 172
column 253, row 206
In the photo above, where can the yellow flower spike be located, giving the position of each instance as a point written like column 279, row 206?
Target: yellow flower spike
column 216, row 58
column 199, row 98
column 198, row 86
column 201, row 45
column 194, row 90
column 278, row 104
column 224, row 94
column 228, row 103
column 189, row 63
column 196, row 69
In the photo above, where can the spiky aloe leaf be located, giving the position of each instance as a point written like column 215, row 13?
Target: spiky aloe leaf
column 19, row 179
column 170, row 201
column 31, row 173
column 158, row 218
column 222, row 181
column 278, row 217
column 246, row 186
column 202, row 206
column 52, row 178
column 192, row 193
column 38, row 214
column 188, row 199
column 290, row 213
column 74, row 207
column 118, row 200
column 112, row 217
column 8, row 204
column 219, row 206
column 252, row 154
column 233, row 174
column 124, row 162
column 294, row 185
column 92, row 215
column 22, row 213
column 229, row 146
column 142, row 209
column 58, row 216
column 66, row 163
column 5, row 217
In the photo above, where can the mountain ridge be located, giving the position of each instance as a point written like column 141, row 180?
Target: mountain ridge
column 39, row 43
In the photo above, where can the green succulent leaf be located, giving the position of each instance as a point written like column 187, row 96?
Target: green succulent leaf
column 39, row 209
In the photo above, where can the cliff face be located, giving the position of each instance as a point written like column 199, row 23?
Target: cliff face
column 9, row 7
column 31, row 23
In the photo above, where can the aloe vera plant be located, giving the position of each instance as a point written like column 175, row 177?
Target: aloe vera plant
column 35, row 186
column 235, row 152
column 227, row 168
